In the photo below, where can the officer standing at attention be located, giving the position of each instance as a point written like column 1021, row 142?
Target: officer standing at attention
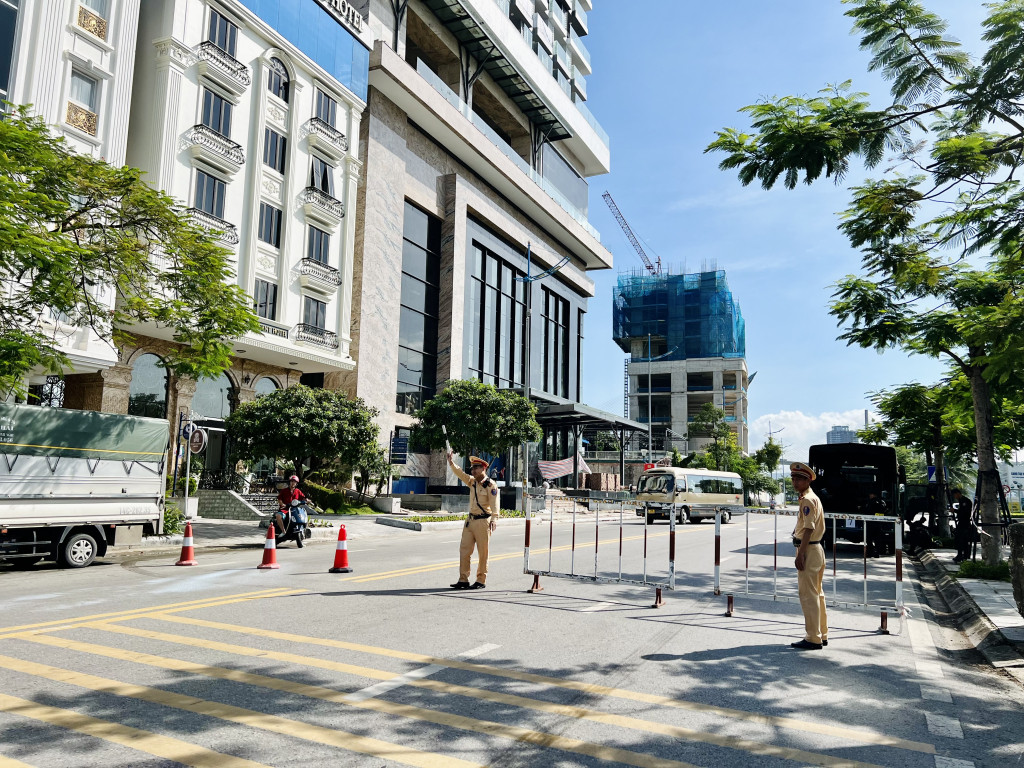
column 810, row 559
column 482, row 520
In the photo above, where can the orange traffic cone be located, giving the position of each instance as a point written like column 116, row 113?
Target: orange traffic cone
column 188, row 553
column 341, row 554
column 269, row 551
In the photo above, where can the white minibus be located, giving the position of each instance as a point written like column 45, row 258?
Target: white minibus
column 694, row 494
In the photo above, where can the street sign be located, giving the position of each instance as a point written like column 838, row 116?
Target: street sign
column 1006, row 489
column 197, row 441
column 188, row 429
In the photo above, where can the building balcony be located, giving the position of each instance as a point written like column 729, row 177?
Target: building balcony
column 562, row 58
column 270, row 328
column 92, row 22
column 216, row 150
column 228, row 233
column 559, row 19
column 525, row 8
column 579, row 84
column 580, row 53
column 223, row 68
column 580, row 22
column 326, row 138
column 542, row 32
column 305, row 333
column 319, row 205
column 319, row 276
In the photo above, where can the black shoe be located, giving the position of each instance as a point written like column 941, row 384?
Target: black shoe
column 806, row 645
column 460, row 585
column 476, row 585
column 824, row 642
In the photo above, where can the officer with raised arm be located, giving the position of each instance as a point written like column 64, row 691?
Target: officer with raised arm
column 484, row 508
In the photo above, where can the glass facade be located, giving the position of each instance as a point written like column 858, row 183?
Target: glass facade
column 417, row 331
column 8, row 27
column 556, row 344
column 320, row 36
column 497, row 320
column 213, row 397
column 147, row 395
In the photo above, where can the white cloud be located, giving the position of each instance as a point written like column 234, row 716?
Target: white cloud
column 798, row 431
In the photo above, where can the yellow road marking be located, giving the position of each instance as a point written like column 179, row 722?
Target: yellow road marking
column 486, row 727
column 416, row 569
column 10, row 762
column 152, row 744
column 168, row 606
column 579, row 713
column 294, row 728
column 863, row 736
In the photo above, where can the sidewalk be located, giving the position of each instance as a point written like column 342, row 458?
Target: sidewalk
column 986, row 611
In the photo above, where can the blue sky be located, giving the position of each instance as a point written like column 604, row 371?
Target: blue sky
column 667, row 74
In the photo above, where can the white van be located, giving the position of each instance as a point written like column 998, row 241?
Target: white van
column 694, row 494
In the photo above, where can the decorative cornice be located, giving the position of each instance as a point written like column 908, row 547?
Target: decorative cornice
column 169, row 50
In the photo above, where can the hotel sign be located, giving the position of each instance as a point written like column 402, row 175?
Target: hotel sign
column 344, row 12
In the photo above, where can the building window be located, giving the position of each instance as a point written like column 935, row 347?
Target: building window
column 319, row 245
column 277, row 79
column 99, row 7
column 417, row 330
column 217, row 113
column 314, row 313
column 556, row 344
column 497, row 320
column 147, row 394
column 274, row 149
column 222, row 33
column 326, row 108
column 8, row 26
column 266, row 299
column 84, row 90
column 210, row 194
column 265, row 386
column 321, row 176
column 270, row 225
column 213, row 398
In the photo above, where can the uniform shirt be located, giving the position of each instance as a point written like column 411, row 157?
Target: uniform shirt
column 485, row 493
column 810, row 515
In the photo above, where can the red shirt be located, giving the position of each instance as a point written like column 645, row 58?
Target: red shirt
column 288, row 495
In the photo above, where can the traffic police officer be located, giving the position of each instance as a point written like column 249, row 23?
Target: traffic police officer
column 810, row 559
column 482, row 520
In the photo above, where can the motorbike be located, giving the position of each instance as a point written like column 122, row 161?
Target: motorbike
column 296, row 524
column 918, row 538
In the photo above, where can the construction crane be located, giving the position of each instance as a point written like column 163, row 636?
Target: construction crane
column 653, row 268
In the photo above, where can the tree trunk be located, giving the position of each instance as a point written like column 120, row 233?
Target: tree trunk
column 940, row 483
column 988, row 474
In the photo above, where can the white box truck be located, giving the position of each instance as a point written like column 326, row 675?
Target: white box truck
column 73, row 483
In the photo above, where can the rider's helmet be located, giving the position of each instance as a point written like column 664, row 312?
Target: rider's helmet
column 293, row 477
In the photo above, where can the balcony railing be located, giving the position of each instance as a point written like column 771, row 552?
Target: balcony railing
column 562, row 56
column 577, row 42
column 319, row 198
column 222, row 145
column 504, row 5
column 320, row 271
column 326, row 130
column 589, row 117
column 581, row 19
column 225, row 62
column 559, row 15
column 229, row 232
column 315, row 335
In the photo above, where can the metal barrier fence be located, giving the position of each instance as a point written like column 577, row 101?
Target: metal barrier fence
column 898, row 603
column 668, row 584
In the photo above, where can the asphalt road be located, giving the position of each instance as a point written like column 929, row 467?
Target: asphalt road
column 140, row 663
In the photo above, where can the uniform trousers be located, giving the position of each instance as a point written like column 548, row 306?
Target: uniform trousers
column 478, row 534
column 812, row 598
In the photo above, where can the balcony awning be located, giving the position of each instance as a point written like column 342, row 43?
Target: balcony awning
column 457, row 19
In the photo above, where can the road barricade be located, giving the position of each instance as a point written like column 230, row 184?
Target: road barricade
column 788, row 550
column 534, row 567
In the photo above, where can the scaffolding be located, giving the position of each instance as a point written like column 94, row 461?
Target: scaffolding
column 694, row 314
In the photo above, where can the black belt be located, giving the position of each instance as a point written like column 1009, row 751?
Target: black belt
column 478, row 517
column 796, row 542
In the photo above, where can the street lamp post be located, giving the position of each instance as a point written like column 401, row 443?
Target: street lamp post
column 650, row 431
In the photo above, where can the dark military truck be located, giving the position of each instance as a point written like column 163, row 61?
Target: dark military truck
column 73, row 483
column 846, row 474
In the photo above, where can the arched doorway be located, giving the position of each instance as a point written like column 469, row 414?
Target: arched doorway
column 147, row 394
column 265, row 386
column 213, row 402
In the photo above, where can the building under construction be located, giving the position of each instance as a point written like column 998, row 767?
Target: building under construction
column 686, row 341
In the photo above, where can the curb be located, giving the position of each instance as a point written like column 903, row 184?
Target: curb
column 983, row 634
column 398, row 522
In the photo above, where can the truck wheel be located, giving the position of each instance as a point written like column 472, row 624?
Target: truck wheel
column 77, row 551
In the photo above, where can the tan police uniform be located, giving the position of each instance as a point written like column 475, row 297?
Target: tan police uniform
column 811, row 515
column 484, row 506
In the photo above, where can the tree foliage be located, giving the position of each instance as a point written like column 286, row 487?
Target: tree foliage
column 709, row 421
column 96, row 247
column 301, row 423
column 479, row 418
column 956, row 129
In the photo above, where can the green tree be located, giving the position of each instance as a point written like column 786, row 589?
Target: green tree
column 373, row 469
column 957, row 127
column 100, row 249
column 479, row 418
column 605, row 440
column 301, row 423
column 709, row 421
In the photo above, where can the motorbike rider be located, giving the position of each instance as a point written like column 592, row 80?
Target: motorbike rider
column 285, row 497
